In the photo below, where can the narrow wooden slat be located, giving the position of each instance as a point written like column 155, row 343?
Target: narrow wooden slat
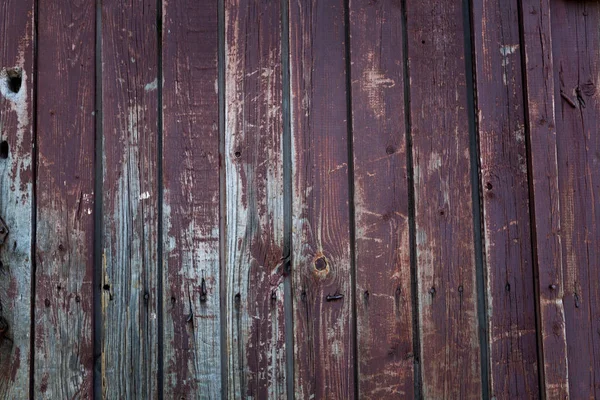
column 448, row 322
column 254, row 177
column 383, row 275
column 322, row 292
column 65, row 200
column 539, row 68
column 576, row 56
column 506, row 219
column 130, row 199
column 192, row 345
column 16, row 194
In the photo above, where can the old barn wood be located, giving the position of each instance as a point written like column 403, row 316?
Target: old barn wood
column 314, row 199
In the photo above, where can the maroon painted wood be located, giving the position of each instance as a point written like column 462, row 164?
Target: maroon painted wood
column 191, row 265
column 383, row 273
column 546, row 204
column 321, row 270
column 575, row 51
column 130, row 199
column 254, row 184
column 65, row 199
column 16, row 195
column 506, row 219
column 448, row 323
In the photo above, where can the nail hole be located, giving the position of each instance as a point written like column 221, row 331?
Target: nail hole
column 489, row 186
column 4, row 149
column 422, row 42
column 390, row 150
column 14, row 80
column 238, row 154
column 47, row 303
column 106, row 287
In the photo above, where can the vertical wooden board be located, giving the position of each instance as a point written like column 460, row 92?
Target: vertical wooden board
column 130, row 199
column 322, row 291
column 543, row 166
column 506, row 219
column 447, row 293
column 16, row 195
column 254, row 182
column 192, row 322
column 65, row 200
column 383, row 273
column 576, row 47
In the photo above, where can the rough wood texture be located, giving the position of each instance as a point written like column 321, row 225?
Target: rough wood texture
column 192, row 345
column 546, row 204
column 510, row 287
column 321, row 270
column 130, row 199
column 448, row 322
column 254, row 181
column 576, row 47
column 383, row 274
column 16, row 195
column 65, row 200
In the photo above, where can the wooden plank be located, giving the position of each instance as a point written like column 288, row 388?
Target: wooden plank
column 130, row 199
column 506, row 219
column 16, row 195
column 254, row 181
column 447, row 292
column 192, row 322
column 65, row 200
column 322, row 291
column 383, row 273
column 539, row 68
column 575, row 52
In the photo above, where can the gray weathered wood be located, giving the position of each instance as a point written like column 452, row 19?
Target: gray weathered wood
column 130, row 199
column 65, row 200
column 254, row 180
column 16, row 195
column 191, row 279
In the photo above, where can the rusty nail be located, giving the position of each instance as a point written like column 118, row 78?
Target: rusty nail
column 203, row 291
column 460, row 288
column 432, row 291
column 190, row 317
column 552, row 286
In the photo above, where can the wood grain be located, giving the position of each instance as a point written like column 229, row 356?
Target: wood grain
column 130, row 199
column 16, row 195
column 575, row 52
column 447, row 293
column 65, row 200
column 383, row 273
column 506, row 219
column 321, row 266
column 539, row 68
column 192, row 319
column 254, row 182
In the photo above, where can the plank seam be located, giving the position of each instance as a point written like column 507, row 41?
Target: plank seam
column 477, row 204
column 159, row 167
column 412, row 228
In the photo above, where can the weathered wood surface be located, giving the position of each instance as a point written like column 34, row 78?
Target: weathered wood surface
column 382, row 250
column 190, row 162
column 501, row 120
column 65, row 200
column 16, row 195
column 540, row 97
column 447, row 299
column 321, row 264
column 576, row 55
column 129, row 274
column 254, row 181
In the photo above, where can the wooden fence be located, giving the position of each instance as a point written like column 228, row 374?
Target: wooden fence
column 310, row 199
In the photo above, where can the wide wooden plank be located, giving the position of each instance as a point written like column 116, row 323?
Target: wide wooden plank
column 506, row 219
column 447, row 292
column 383, row 273
column 16, row 195
column 130, row 199
column 321, row 265
column 539, row 69
column 65, row 200
column 192, row 320
column 254, row 182
column 576, row 55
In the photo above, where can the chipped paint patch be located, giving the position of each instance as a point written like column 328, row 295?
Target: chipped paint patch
column 151, row 86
